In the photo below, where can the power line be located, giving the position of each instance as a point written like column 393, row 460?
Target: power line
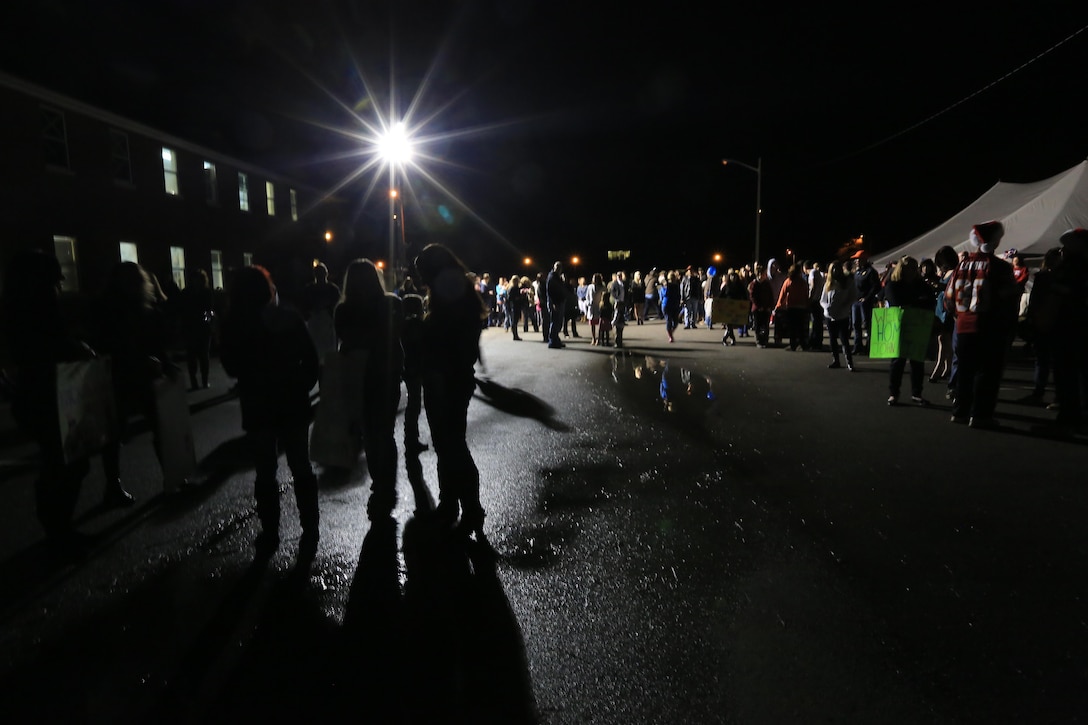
column 958, row 103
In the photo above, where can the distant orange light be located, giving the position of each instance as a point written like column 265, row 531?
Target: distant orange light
column 380, row 264
column 717, row 257
column 392, row 193
column 574, row 260
column 328, row 236
column 527, row 261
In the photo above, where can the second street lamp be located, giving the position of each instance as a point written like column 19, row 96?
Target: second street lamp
column 758, row 169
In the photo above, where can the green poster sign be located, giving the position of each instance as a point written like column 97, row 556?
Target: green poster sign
column 900, row 332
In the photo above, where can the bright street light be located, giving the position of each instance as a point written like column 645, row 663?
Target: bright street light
column 395, row 148
column 758, row 169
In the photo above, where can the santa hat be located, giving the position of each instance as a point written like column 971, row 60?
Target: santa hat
column 987, row 236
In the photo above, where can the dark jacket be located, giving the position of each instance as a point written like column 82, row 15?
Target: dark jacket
column 276, row 365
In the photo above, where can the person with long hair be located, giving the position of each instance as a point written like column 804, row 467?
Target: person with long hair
column 452, row 335
column 638, row 298
column 907, row 288
column 946, row 260
column 837, row 300
column 270, row 352
column 132, row 331
column 370, row 319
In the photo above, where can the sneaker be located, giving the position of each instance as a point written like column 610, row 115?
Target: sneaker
column 850, row 366
column 983, row 423
column 834, row 365
column 919, row 400
column 959, row 419
column 893, row 399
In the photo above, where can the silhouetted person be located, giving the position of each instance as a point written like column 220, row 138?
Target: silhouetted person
column 267, row 348
column 370, row 320
column 1071, row 354
column 196, row 312
column 556, row 290
column 132, row 330
column 318, row 300
column 37, row 340
column 452, row 335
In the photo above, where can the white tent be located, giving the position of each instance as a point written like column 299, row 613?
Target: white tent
column 1034, row 215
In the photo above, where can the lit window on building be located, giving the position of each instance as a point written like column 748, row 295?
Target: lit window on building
column 211, row 186
column 128, row 253
column 54, row 138
column 243, row 191
column 217, row 269
column 170, row 171
column 177, row 266
column 247, row 259
column 270, row 196
column 294, row 205
column 65, row 250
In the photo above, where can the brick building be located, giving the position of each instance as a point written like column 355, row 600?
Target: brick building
column 95, row 189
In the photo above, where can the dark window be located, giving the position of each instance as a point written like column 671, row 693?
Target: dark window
column 121, row 164
column 54, row 138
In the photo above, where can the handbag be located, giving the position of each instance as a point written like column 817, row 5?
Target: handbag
column 336, row 436
column 86, row 408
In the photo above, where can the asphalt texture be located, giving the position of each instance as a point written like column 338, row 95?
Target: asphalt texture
column 676, row 533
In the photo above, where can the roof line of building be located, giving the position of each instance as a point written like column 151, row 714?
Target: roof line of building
column 68, row 103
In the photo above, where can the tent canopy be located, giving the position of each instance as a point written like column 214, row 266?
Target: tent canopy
column 1034, row 215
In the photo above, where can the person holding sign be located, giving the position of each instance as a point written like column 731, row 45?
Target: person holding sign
column 908, row 289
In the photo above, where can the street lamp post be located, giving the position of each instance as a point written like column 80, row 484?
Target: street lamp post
column 395, row 147
column 758, row 169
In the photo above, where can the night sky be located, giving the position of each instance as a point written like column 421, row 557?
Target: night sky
column 572, row 129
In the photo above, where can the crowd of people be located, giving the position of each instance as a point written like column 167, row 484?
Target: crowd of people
column 274, row 351
column 973, row 303
column 427, row 337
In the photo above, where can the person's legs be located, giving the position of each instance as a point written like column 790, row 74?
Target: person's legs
column 380, row 445
column 297, row 449
column 266, row 492
column 917, row 375
column 895, row 379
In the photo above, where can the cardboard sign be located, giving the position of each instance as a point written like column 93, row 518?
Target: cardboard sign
column 730, row 312
column 900, row 332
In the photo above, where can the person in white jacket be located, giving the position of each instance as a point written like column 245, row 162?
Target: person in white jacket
column 838, row 297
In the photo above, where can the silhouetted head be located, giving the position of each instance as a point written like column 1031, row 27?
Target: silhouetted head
column 251, row 290
column 362, row 281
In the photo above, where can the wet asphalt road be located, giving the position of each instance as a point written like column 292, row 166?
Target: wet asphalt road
column 773, row 544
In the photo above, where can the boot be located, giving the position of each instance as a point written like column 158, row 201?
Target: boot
column 116, row 496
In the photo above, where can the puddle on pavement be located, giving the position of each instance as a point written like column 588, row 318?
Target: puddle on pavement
column 675, row 387
column 677, row 393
